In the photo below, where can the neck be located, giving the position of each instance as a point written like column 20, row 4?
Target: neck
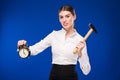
column 69, row 32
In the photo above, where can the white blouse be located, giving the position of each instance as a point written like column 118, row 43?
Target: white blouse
column 62, row 50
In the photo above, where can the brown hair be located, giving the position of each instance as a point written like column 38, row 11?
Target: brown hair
column 67, row 8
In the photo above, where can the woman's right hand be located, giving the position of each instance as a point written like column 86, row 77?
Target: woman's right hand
column 21, row 42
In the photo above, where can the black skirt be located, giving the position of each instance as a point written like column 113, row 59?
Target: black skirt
column 63, row 72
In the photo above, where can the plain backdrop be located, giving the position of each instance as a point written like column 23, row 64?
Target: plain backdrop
column 32, row 20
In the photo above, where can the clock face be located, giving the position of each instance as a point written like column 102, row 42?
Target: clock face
column 23, row 53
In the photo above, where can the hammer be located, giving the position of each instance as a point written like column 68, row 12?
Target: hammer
column 92, row 29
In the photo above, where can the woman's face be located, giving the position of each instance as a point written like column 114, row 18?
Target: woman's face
column 66, row 19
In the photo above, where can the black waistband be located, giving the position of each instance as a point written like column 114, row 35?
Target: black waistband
column 72, row 67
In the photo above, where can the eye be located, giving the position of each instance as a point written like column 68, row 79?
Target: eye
column 67, row 16
column 60, row 17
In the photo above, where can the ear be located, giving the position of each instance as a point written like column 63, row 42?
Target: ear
column 74, row 17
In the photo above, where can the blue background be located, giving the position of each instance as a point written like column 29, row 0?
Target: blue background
column 32, row 20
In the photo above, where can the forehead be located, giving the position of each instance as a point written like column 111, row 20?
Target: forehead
column 62, row 13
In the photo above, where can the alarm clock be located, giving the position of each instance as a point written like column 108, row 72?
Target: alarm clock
column 24, row 51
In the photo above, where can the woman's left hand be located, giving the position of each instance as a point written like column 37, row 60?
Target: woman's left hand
column 80, row 46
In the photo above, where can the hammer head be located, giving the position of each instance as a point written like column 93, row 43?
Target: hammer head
column 92, row 27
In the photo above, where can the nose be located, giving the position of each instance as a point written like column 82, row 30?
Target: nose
column 64, row 19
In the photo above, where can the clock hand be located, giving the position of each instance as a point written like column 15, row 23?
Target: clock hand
column 24, row 51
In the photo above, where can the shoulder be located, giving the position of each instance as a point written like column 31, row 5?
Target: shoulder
column 79, row 35
column 56, row 32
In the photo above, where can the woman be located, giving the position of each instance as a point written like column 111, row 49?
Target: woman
column 63, row 43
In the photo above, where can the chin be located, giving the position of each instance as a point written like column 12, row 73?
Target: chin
column 65, row 28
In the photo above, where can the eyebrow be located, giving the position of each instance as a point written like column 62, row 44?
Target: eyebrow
column 65, row 15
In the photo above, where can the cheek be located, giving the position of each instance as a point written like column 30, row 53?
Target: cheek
column 60, row 21
column 71, row 21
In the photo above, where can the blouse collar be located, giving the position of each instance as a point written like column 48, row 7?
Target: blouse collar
column 73, row 34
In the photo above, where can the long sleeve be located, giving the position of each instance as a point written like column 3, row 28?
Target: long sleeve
column 41, row 45
column 84, row 62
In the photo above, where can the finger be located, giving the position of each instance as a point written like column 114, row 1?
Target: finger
column 21, row 42
column 80, row 44
column 82, row 41
column 24, row 42
column 79, row 55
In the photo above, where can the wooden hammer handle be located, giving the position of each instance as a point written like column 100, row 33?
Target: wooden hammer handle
column 85, row 38
column 88, row 34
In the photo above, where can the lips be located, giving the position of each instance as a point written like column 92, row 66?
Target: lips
column 65, row 24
